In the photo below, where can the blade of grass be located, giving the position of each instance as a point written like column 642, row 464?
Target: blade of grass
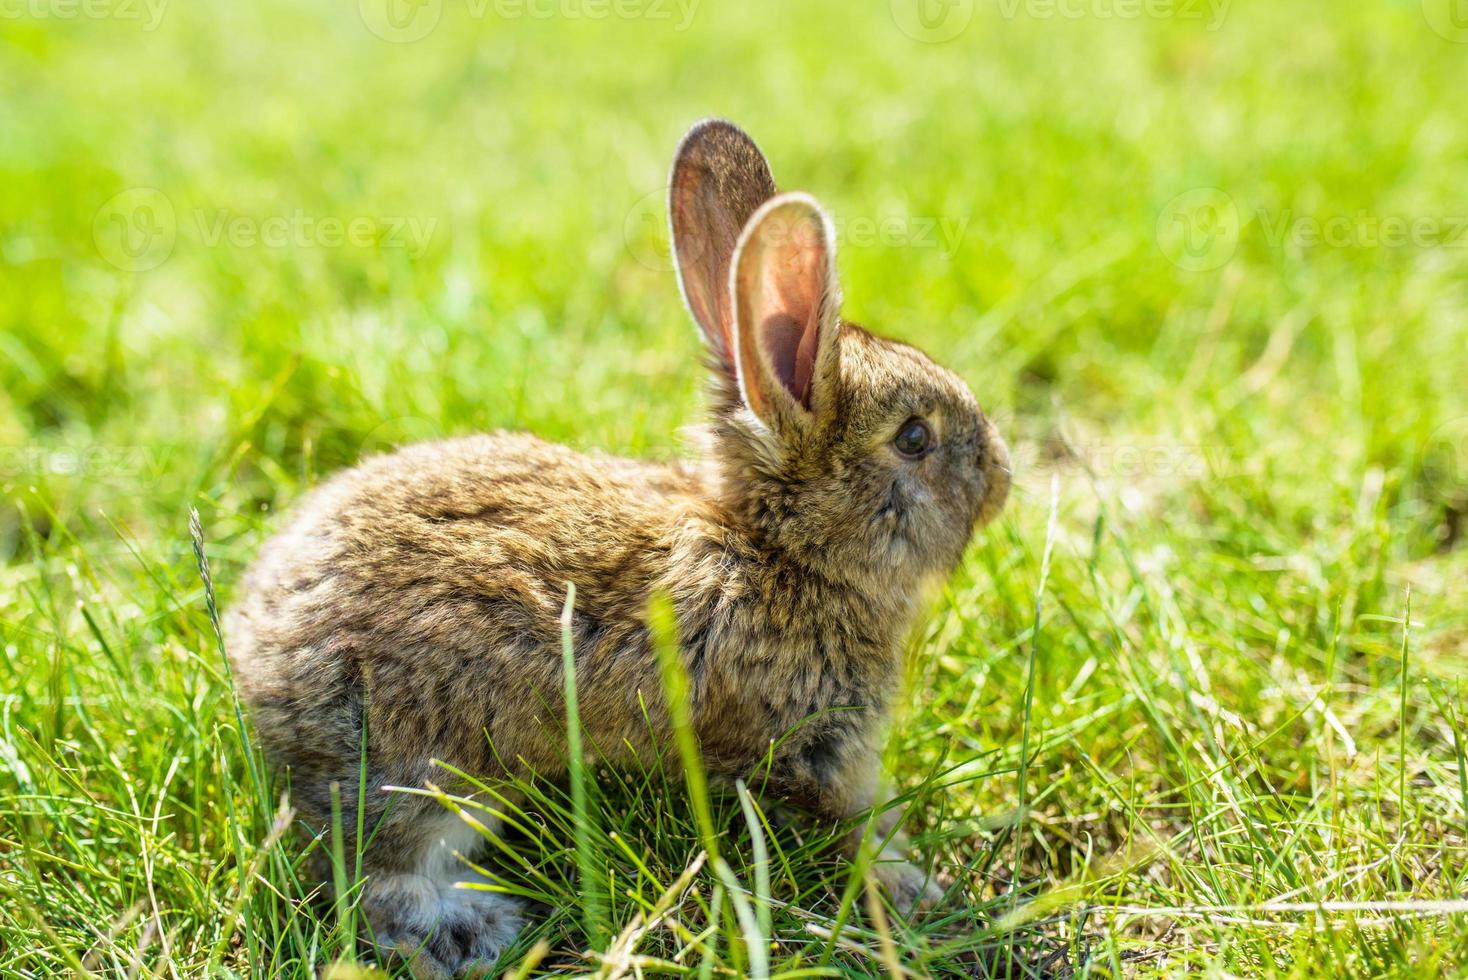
column 341, row 901
column 593, row 917
column 663, row 623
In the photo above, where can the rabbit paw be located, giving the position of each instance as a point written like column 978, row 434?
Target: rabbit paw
column 438, row 930
column 911, row 888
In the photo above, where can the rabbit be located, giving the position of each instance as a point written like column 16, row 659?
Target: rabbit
column 419, row 594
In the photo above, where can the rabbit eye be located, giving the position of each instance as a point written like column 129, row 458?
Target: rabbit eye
column 913, row 439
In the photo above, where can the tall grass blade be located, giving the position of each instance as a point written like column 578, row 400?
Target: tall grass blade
column 593, row 916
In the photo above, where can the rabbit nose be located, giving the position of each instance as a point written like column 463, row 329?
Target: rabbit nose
column 991, row 448
column 998, row 451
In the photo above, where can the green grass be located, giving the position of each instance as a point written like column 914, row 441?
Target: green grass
column 1206, row 741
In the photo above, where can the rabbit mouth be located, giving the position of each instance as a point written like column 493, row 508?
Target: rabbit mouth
column 891, row 518
column 907, row 543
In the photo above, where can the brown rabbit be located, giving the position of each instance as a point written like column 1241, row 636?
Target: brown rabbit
column 423, row 589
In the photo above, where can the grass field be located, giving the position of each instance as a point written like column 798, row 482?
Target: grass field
column 1195, row 703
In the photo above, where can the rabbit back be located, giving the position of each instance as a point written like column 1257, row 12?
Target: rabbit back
column 423, row 590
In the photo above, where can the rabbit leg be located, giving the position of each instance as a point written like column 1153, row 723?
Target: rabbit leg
column 838, row 780
column 420, row 903
column 911, row 887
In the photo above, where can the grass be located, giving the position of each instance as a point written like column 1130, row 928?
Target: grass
column 1176, row 713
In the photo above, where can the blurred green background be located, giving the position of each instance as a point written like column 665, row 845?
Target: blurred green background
column 502, row 177
column 1205, row 262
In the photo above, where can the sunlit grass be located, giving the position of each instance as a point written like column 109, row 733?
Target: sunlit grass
column 1207, row 739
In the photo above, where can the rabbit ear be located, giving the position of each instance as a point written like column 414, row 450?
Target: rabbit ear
column 787, row 310
column 719, row 179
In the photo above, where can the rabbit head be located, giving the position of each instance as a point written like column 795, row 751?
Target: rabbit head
column 856, row 455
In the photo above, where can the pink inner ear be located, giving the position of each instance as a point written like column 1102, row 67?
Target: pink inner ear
column 788, row 307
